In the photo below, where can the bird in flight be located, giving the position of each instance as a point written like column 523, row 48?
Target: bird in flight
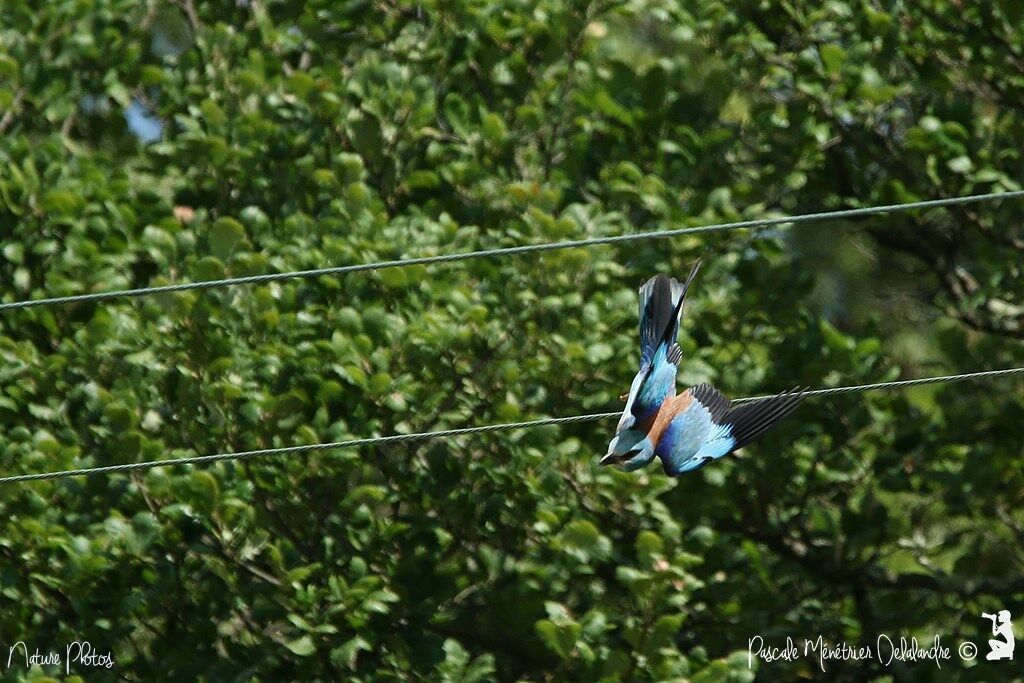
column 690, row 429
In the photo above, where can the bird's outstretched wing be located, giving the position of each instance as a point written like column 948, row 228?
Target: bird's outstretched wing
column 661, row 305
column 710, row 427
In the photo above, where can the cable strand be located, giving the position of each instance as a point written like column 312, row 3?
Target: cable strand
column 449, row 433
column 509, row 251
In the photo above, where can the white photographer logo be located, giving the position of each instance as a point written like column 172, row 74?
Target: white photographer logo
column 1002, row 627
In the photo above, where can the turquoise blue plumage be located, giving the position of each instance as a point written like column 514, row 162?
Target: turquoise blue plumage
column 710, row 428
column 661, row 305
column 688, row 430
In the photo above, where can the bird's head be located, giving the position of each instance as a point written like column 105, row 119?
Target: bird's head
column 629, row 450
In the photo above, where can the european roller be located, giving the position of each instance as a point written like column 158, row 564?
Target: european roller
column 690, row 429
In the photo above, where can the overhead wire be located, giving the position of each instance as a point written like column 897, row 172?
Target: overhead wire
column 463, row 256
column 508, row 251
column 450, row 433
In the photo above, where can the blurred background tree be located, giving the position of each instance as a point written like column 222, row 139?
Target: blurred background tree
column 148, row 143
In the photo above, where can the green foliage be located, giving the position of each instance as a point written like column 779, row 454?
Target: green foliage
column 298, row 135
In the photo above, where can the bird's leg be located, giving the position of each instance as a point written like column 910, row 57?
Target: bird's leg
column 624, row 397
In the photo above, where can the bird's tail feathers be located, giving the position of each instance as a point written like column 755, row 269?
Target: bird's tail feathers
column 747, row 421
column 690, row 278
column 661, row 305
column 679, row 294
